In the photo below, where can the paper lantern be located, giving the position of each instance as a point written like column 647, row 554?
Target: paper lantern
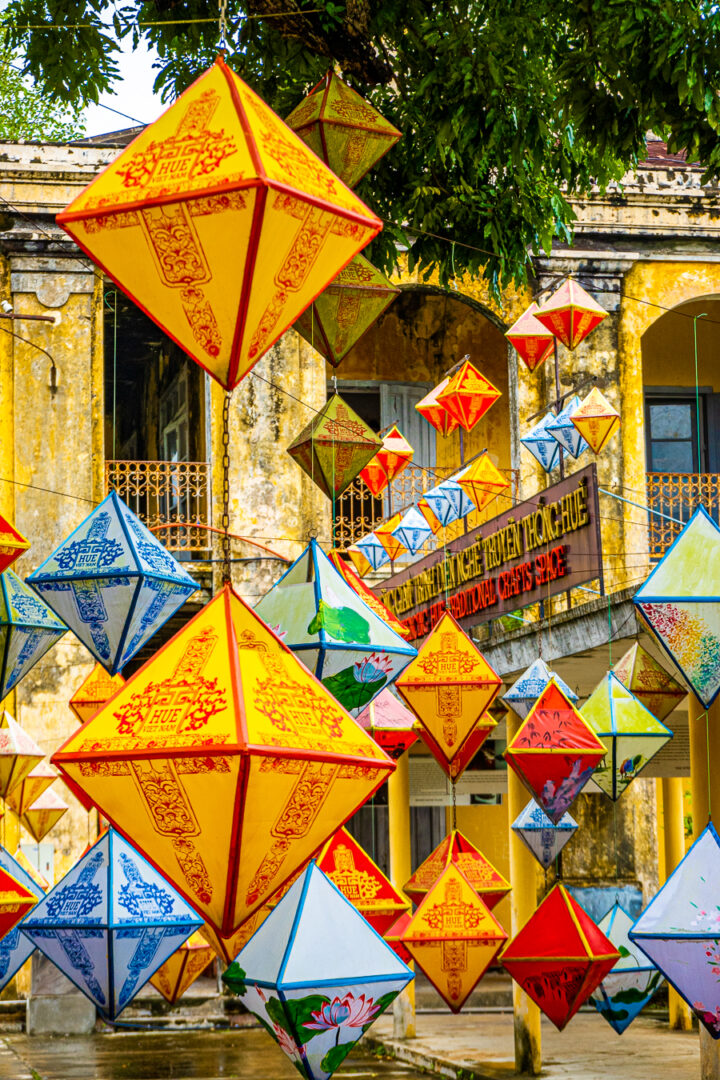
column 219, row 172
column 385, row 533
column 540, row 835
column 110, row 923
column 19, row 753
column 630, row 732
column 226, row 760
column 678, row 930
column 180, row 970
column 453, row 937
column 394, row 937
column 390, row 723
column 367, row 595
column 412, row 530
column 478, row 871
column 28, row 628
column 530, row 339
column 679, row 602
column 448, row 685
column 16, row 899
column 24, row 794
column 429, row 514
column 435, row 413
column 528, row 687
column 43, row 814
column 113, row 583
column 449, row 501
column 649, row 681
column 541, row 444
column 316, row 975
column 559, row 956
column 343, row 129
column 358, row 878
column 554, row 752
column 15, row 948
column 632, row 983
column 228, row 947
column 93, row 692
column 322, row 619
column 359, row 561
column 469, row 749
column 564, row 431
column 392, row 458
column 570, row 313
column 468, row 396
column 346, row 309
column 482, row 481
column 373, row 551
column 333, row 448
column 12, row 544
column 596, row 420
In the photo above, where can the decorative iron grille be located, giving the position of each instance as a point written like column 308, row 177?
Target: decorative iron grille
column 171, row 497
column 677, row 496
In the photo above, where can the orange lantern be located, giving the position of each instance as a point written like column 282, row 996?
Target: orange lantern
column 596, row 420
column 31, row 788
column 472, row 745
column 531, row 340
column 392, row 458
column 93, row 692
column 468, row 395
column 457, row 850
column 384, row 533
column 18, row 754
column 394, row 936
column 570, row 313
column 354, row 873
column 361, row 564
column 390, row 723
column 482, row 481
column 181, row 969
column 435, row 412
column 343, row 129
column 433, row 521
column 12, row 544
column 366, row 594
column 44, row 814
column 219, row 172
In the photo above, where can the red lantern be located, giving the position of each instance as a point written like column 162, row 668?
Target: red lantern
column 358, row 878
column 530, row 339
column 394, row 936
column 12, row 544
column 435, row 412
column 468, row 396
column 392, row 458
column 570, row 314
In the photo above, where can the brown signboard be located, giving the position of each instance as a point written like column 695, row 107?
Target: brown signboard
column 539, row 548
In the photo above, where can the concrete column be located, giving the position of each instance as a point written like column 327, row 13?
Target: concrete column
column 671, row 848
column 400, row 871
column 524, row 878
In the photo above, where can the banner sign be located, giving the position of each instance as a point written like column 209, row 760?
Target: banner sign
column 539, row 548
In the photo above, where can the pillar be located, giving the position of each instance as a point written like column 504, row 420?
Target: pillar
column 400, row 871
column 525, row 879
column 671, row 848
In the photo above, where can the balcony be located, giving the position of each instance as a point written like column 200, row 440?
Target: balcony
column 171, row 497
column 677, row 496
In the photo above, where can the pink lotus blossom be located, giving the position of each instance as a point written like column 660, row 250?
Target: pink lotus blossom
column 373, row 667
column 344, row 1012
column 287, row 1043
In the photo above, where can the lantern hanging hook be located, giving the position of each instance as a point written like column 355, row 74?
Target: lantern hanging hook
column 223, row 26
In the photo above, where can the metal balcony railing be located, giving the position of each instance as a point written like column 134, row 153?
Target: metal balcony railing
column 171, row 497
column 678, row 495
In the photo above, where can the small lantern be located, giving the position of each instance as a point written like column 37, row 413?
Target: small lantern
column 180, row 970
column 541, row 444
column 28, row 628
column 19, row 754
column 649, row 681
column 412, row 530
column 449, row 501
column 540, row 835
column 361, row 564
column 12, row 544
column 373, row 551
column 392, row 458
column 434, row 411
column 530, row 339
column 632, row 983
column 390, row 723
column 429, row 514
column 334, row 447
column 482, row 481
column 385, row 533
column 528, row 687
column 468, row 395
column 93, row 692
column 358, row 878
column 479, row 872
column 596, row 420
column 564, row 431
column 43, row 814
column 570, row 313
column 24, row 794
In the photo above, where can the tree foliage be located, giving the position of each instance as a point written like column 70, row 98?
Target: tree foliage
column 508, row 108
column 26, row 114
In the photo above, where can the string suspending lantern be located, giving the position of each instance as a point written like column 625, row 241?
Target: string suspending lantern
column 37, row 781
column 482, row 481
column 435, row 412
column 468, row 395
column 528, row 687
column 12, row 544
column 649, row 681
column 93, row 692
column 541, row 444
column 43, row 814
column 180, row 970
column 19, row 754
column 544, row 838
column 28, row 628
column 595, row 420
column 564, row 431
column 219, row 172
column 532, row 341
column 570, row 314
column 334, row 447
column 632, row 983
column 391, row 460
column 361, row 881
column 476, row 868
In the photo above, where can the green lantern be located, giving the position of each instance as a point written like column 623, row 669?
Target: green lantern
column 334, row 447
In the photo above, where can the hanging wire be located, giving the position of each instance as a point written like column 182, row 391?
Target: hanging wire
column 707, row 754
column 697, row 393
column 454, row 803
column 226, row 573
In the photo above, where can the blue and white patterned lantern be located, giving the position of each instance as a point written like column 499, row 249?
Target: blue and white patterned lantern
column 110, row 923
column 113, row 583
column 28, row 628
column 564, row 431
column 412, row 531
column 449, row 501
column 528, row 687
column 632, row 983
column 541, row 444
column 373, row 551
column 15, row 948
column 538, row 833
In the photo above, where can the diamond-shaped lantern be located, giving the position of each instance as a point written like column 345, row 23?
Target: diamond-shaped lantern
column 541, row 444
column 532, row 341
column 12, row 544
column 373, row 551
column 226, row 760
column 24, row 794
column 359, row 587
column 570, row 313
column 412, row 530
column 649, row 681
column 343, row 129
column 219, row 171
column 351, row 649
column 16, row 898
column 679, row 602
column 43, row 814
column 429, row 514
column 361, row 564
column 632, row 983
column 479, row 872
column 110, row 923
column 559, row 956
column 390, row 723
column 448, row 685
column 392, row 458
column 19, row 754
column 595, row 420
column 180, row 970
column 679, row 930
column 386, row 535
column 316, row 975
column 15, row 948
column 463, row 757
column 113, row 583
column 354, row 873
column 333, row 448
column 346, row 309
column 528, row 687
column 28, row 628
column 564, row 431
column 434, row 411
column 393, row 936
column 554, row 752
column 482, row 481
column 449, row 501
column 454, row 937
column 93, row 692
column 540, row 835
column 632, row 735
column 468, row 395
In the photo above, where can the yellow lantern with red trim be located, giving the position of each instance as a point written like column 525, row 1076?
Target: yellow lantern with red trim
column 571, row 313
column 468, row 395
column 596, row 420
column 482, row 481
